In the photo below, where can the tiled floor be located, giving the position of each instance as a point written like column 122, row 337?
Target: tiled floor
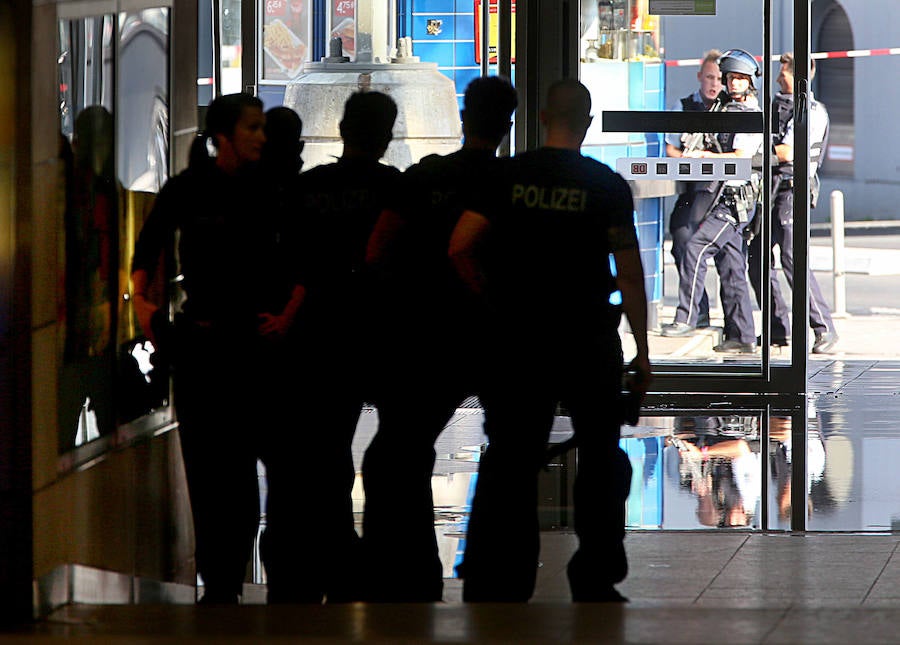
column 837, row 584
column 684, row 587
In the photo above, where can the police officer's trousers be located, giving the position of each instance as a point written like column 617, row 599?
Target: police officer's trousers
column 783, row 235
column 217, row 379
column 310, row 548
column 418, row 382
column 688, row 213
column 526, row 383
column 719, row 237
column 400, row 547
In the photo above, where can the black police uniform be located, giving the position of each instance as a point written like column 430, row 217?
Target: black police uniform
column 689, row 210
column 719, row 236
column 339, row 204
column 783, row 227
column 222, row 368
column 552, row 338
column 430, row 331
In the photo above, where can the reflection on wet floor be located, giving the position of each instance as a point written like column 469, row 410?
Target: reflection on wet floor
column 700, row 471
column 702, row 467
column 855, row 405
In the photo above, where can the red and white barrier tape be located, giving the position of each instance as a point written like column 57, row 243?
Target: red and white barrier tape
column 851, row 53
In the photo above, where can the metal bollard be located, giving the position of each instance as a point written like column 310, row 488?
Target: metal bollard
column 837, row 254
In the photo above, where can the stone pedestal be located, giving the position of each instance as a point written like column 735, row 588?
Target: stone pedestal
column 428, row 119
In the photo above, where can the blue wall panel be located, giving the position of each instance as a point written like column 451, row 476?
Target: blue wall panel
column 435, row 52
column 453, row 48
column 434, row 6
column 465, row 28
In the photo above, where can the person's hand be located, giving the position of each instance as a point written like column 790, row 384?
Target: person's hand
column 274, row 327
column 144, row 310
column 642, row 373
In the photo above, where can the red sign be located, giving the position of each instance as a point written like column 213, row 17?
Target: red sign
column 276, row 7
column 344, row 7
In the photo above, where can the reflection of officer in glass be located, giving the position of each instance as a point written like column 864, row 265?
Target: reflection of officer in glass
column 783, row 213
column 723, row 473
column 694, row 200
column 538, row 251
column 91, row 239
column 91, row 235
column 720, row 233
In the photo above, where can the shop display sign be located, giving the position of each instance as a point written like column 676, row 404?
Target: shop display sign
column 285, row 38
column 683, row 7
column 494, row 31
column 343, row 25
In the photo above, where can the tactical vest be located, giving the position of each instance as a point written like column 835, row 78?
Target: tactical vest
column 783, row 111
column 816, row 148
column 742, row 198
column 726, row 139
column 688, row 104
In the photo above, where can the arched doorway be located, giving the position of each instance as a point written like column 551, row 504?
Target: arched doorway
column 833, row 85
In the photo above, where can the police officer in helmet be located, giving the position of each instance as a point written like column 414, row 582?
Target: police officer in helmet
column 741, row 62
column 720, row 232
column 783, row 212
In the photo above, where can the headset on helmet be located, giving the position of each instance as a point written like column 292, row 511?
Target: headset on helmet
column 739, row 61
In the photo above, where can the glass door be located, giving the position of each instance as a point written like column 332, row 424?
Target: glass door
column 699, row 147
column 686, row 142
column 691, row 148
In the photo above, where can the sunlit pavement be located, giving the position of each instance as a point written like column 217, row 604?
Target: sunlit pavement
column 868, row 328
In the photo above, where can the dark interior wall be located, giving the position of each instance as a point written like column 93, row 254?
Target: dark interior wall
column 184, row 80
column 15, row 440
column 126, row 512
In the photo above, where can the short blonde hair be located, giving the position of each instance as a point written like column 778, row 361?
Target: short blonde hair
column 787, row 58
column 712, row 56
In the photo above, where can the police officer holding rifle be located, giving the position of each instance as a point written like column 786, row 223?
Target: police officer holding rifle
column 719, row 234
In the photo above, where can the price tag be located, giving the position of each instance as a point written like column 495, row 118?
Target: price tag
column 276, row 7
column 344, row 7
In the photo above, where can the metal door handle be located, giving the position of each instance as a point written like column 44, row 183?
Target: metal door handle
column 801, row 103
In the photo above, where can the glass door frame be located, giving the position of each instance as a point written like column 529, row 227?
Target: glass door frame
column 547, row 46
column 555, row 25
column 546, row 38
column 551, row 27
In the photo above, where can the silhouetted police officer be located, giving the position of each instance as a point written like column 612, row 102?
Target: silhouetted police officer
column 337, row 207
column 429, row 325
column 237, row 311
column 537, row 250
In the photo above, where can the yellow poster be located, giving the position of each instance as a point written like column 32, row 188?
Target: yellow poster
column 494, row 31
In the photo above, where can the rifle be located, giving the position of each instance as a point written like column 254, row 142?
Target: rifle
column 699, row 140
column 754, row 226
